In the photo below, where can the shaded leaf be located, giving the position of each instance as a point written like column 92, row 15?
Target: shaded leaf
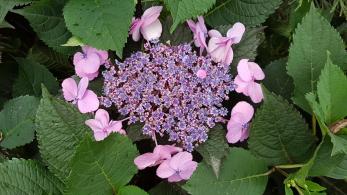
column 60, row 127
column 102, row 167
column 131, row 190
column 182, row 33
column 17, row 121
column 7, row 5
column 164, row 188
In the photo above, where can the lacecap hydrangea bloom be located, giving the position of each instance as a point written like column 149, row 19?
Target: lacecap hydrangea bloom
column 161, row 88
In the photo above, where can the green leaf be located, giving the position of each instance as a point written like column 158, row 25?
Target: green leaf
column 30, row 77
column 54, row 61
column 164, row 188
column 17, row 121
column 339, row 142
column 249, row 12
column 182, row 33
column 131, row 190
column 279, row 134
column 46, row 18
column 73, row 41
column 101, row 24
column 241, row 173
column 277, row 80
column 60, row 127
column 134, row 132
column 314, row 187
column 182, row 10
column 215, row 148
column 102, row 167
column 307, row 54
column 340, row 170
column 332, row 93
column 18, row 176
column 7, row 5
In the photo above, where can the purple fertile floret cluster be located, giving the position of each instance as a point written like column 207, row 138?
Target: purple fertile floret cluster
column 160, row 88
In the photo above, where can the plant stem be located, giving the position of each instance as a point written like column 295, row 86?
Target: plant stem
column 290, row 166
column 314, row 125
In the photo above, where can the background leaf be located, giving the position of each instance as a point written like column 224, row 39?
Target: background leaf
column 182, row 10
column 46, row 18
column 164, row 188
column 279, row 134
column 102, row 167
column 101, row 24
column 60, row 127
column 240, row 174
column 249, row 12
column 215, row 148
column 7, row 5
column 277, row 80
column 182, row 33
column 131, row 190
column 307, row 54
column 19, row 176
column 30, row 77
column 17, row 121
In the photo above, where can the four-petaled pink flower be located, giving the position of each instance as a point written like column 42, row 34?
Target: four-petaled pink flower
column 180, row 167
column 238, row 124
column 149, row 25
column 102, row 126
column 86, row 100
column 248, row 73
column 159, row 154
column 87, row 64
column 219, row 47
column 200, row 33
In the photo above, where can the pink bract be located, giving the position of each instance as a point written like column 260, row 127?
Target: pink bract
column 200, row 33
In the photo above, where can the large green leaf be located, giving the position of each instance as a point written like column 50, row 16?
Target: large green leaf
column 131, row 190
column 101, row 24
column 17, row 121
column 19, row 176
column 46, row 18
column 60, row 127
column 340, row 170
column 215, row 148
column 332, row 93
column 164, row 188
column 240, row 174
column 7, row 5
column 307, row 54
column 102, row 167
column 279, row 134
column 277, row 80
column 182, row 10
column 30, row 77
column 249, row 12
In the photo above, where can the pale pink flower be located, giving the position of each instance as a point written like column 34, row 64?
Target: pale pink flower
column 88, row 62
column 238, row 125
column 248, row 73
column 159, row 154
column 86, row 100
column 102, row 126
column 149, row 25
column 200, row 33
column 180, row 167
column 219, row 47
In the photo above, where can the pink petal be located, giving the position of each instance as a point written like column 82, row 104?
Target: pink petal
column 115, row 126
column 82, row 87
column 257, row 72
column 103, row 55
column 187, row 170
column 151, row 15
column 135, row 29
column 191, row 25
column 80, row 73
column 180, row 159
column 174, row 178
column 201, row 74
column 216, row 51
column 234, row 131
column 245, row 134
column 214, row 33
column 236, row 32
column 255, row 92
column 77, row 57
column 201, row 39
column 229, row 54
column 89, row 102
column 69, row 89
column 100, row 135
column 90, row 64
column 245, row 109
column 164, row 170
column 201, row 23
column 122, row 132
column 244, row 70
column 95, row 125
column 152, row 31
column 146, row 160
column 165, row 151
column 241, row 86
column 102, row 116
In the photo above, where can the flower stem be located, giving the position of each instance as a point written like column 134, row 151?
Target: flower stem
column 290, row 166
column 154, row 137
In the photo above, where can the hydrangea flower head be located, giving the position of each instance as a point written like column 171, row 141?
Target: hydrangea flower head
column 162, row 88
